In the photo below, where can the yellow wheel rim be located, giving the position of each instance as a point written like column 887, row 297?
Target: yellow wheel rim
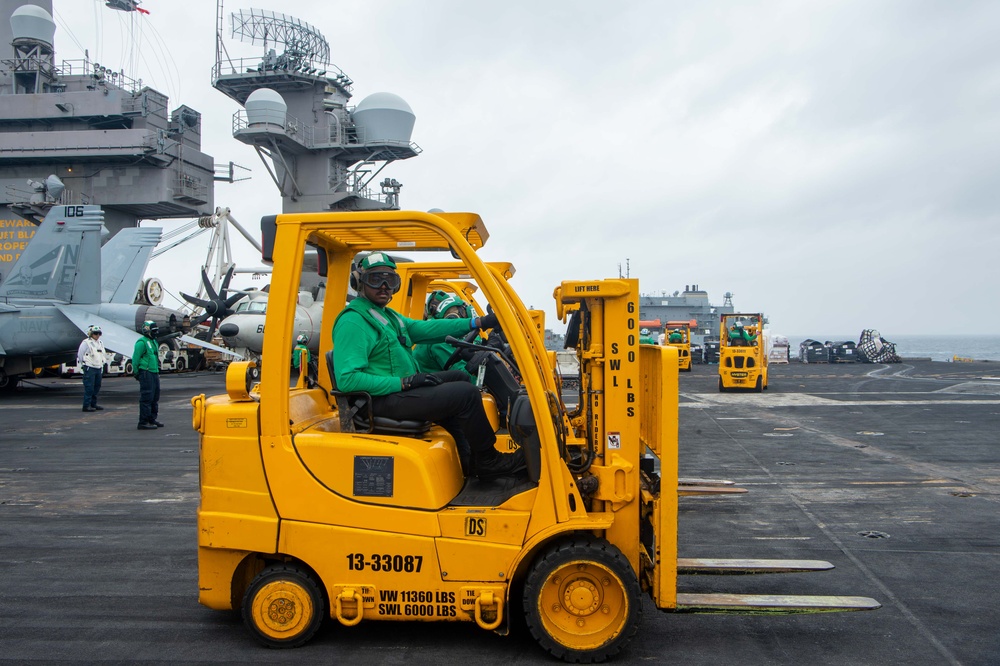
column 583, row 605
column 282, row 610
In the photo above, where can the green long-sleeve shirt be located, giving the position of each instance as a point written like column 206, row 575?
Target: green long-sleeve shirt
column 146, row 355
column 432, row 358
column 297, row 354
column 372, row 345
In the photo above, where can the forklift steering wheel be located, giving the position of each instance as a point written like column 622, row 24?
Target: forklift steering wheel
column 457, row 354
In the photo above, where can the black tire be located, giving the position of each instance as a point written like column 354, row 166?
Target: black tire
column 181, row 365
column 722, row 388
column 759, row 388
column 283, row 607
column 8, row 384
column 128, row 368
column 582, row 600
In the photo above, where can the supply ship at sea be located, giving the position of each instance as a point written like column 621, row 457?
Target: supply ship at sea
column 690, row 304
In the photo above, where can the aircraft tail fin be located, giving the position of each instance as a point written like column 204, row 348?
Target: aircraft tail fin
column 61, row 261
column 123, row 263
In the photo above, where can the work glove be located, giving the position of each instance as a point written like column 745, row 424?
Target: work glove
column 419, row 379
column 489, row 320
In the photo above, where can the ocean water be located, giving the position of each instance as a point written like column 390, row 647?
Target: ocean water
column 934, row 347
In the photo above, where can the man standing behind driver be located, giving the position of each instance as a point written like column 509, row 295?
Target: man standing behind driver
column 372, row 352
column 432, row 357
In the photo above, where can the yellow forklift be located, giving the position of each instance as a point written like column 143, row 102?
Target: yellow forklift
column 678, row 334
column 306, row 514
column 742, row 353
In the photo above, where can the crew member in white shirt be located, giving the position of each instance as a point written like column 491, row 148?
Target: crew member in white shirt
column 90, row 358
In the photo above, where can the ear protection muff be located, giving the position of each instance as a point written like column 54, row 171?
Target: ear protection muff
column 355, row 279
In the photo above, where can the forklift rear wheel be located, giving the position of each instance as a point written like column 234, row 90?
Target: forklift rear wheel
column 760, row 385
column 283, row 607
column 722, row 388
column 581, row 600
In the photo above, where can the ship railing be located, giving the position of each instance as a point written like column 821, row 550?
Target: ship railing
column 294, row 128
column 22, row 196
column 285, row 63
column 100, row 73
column 190, row 188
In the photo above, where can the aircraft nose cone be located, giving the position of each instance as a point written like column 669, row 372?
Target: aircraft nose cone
column 229, row 330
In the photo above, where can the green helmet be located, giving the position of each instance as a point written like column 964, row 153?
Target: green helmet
column 431, row 304
column 376, row 260
column 448, row 302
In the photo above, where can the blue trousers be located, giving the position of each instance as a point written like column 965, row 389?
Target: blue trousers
column 149, row 396
column 91, row 385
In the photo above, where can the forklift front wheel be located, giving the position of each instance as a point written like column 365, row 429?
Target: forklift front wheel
column 581, row 600
column 283, row 607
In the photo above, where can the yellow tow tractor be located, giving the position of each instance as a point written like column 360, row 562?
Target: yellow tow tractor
column 678, row 334
column 742, row 354
column 308, row 511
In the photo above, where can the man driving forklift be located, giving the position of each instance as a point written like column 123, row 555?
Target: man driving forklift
column 372, row 352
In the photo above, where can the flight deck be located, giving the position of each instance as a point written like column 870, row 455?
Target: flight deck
column 890, row 472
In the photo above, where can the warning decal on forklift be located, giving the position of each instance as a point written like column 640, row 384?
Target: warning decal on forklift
column 373, row 476
column 614, row 440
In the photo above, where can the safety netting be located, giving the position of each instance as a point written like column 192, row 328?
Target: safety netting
column 873, row 348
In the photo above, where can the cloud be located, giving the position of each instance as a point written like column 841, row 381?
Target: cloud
column 831, row 163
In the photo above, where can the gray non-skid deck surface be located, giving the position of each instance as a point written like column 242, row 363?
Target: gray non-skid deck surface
column 98, row 544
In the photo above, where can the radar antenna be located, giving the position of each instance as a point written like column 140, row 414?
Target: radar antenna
column 261, row 26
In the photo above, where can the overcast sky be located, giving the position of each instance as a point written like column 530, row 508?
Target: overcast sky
column 832, row 164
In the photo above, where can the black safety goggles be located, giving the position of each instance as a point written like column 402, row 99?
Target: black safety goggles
column 381, row 280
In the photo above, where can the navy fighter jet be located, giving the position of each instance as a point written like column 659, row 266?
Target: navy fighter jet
column 54, row 292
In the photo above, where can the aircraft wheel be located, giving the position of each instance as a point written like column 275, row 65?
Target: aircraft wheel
column 581, row 600
column 283, row 607
column 8, row 383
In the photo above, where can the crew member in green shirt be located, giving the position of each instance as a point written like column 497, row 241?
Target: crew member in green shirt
column 146, row 366
column 372, row 352
column 739, row 336
column 433, row 357
column 300, row 351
